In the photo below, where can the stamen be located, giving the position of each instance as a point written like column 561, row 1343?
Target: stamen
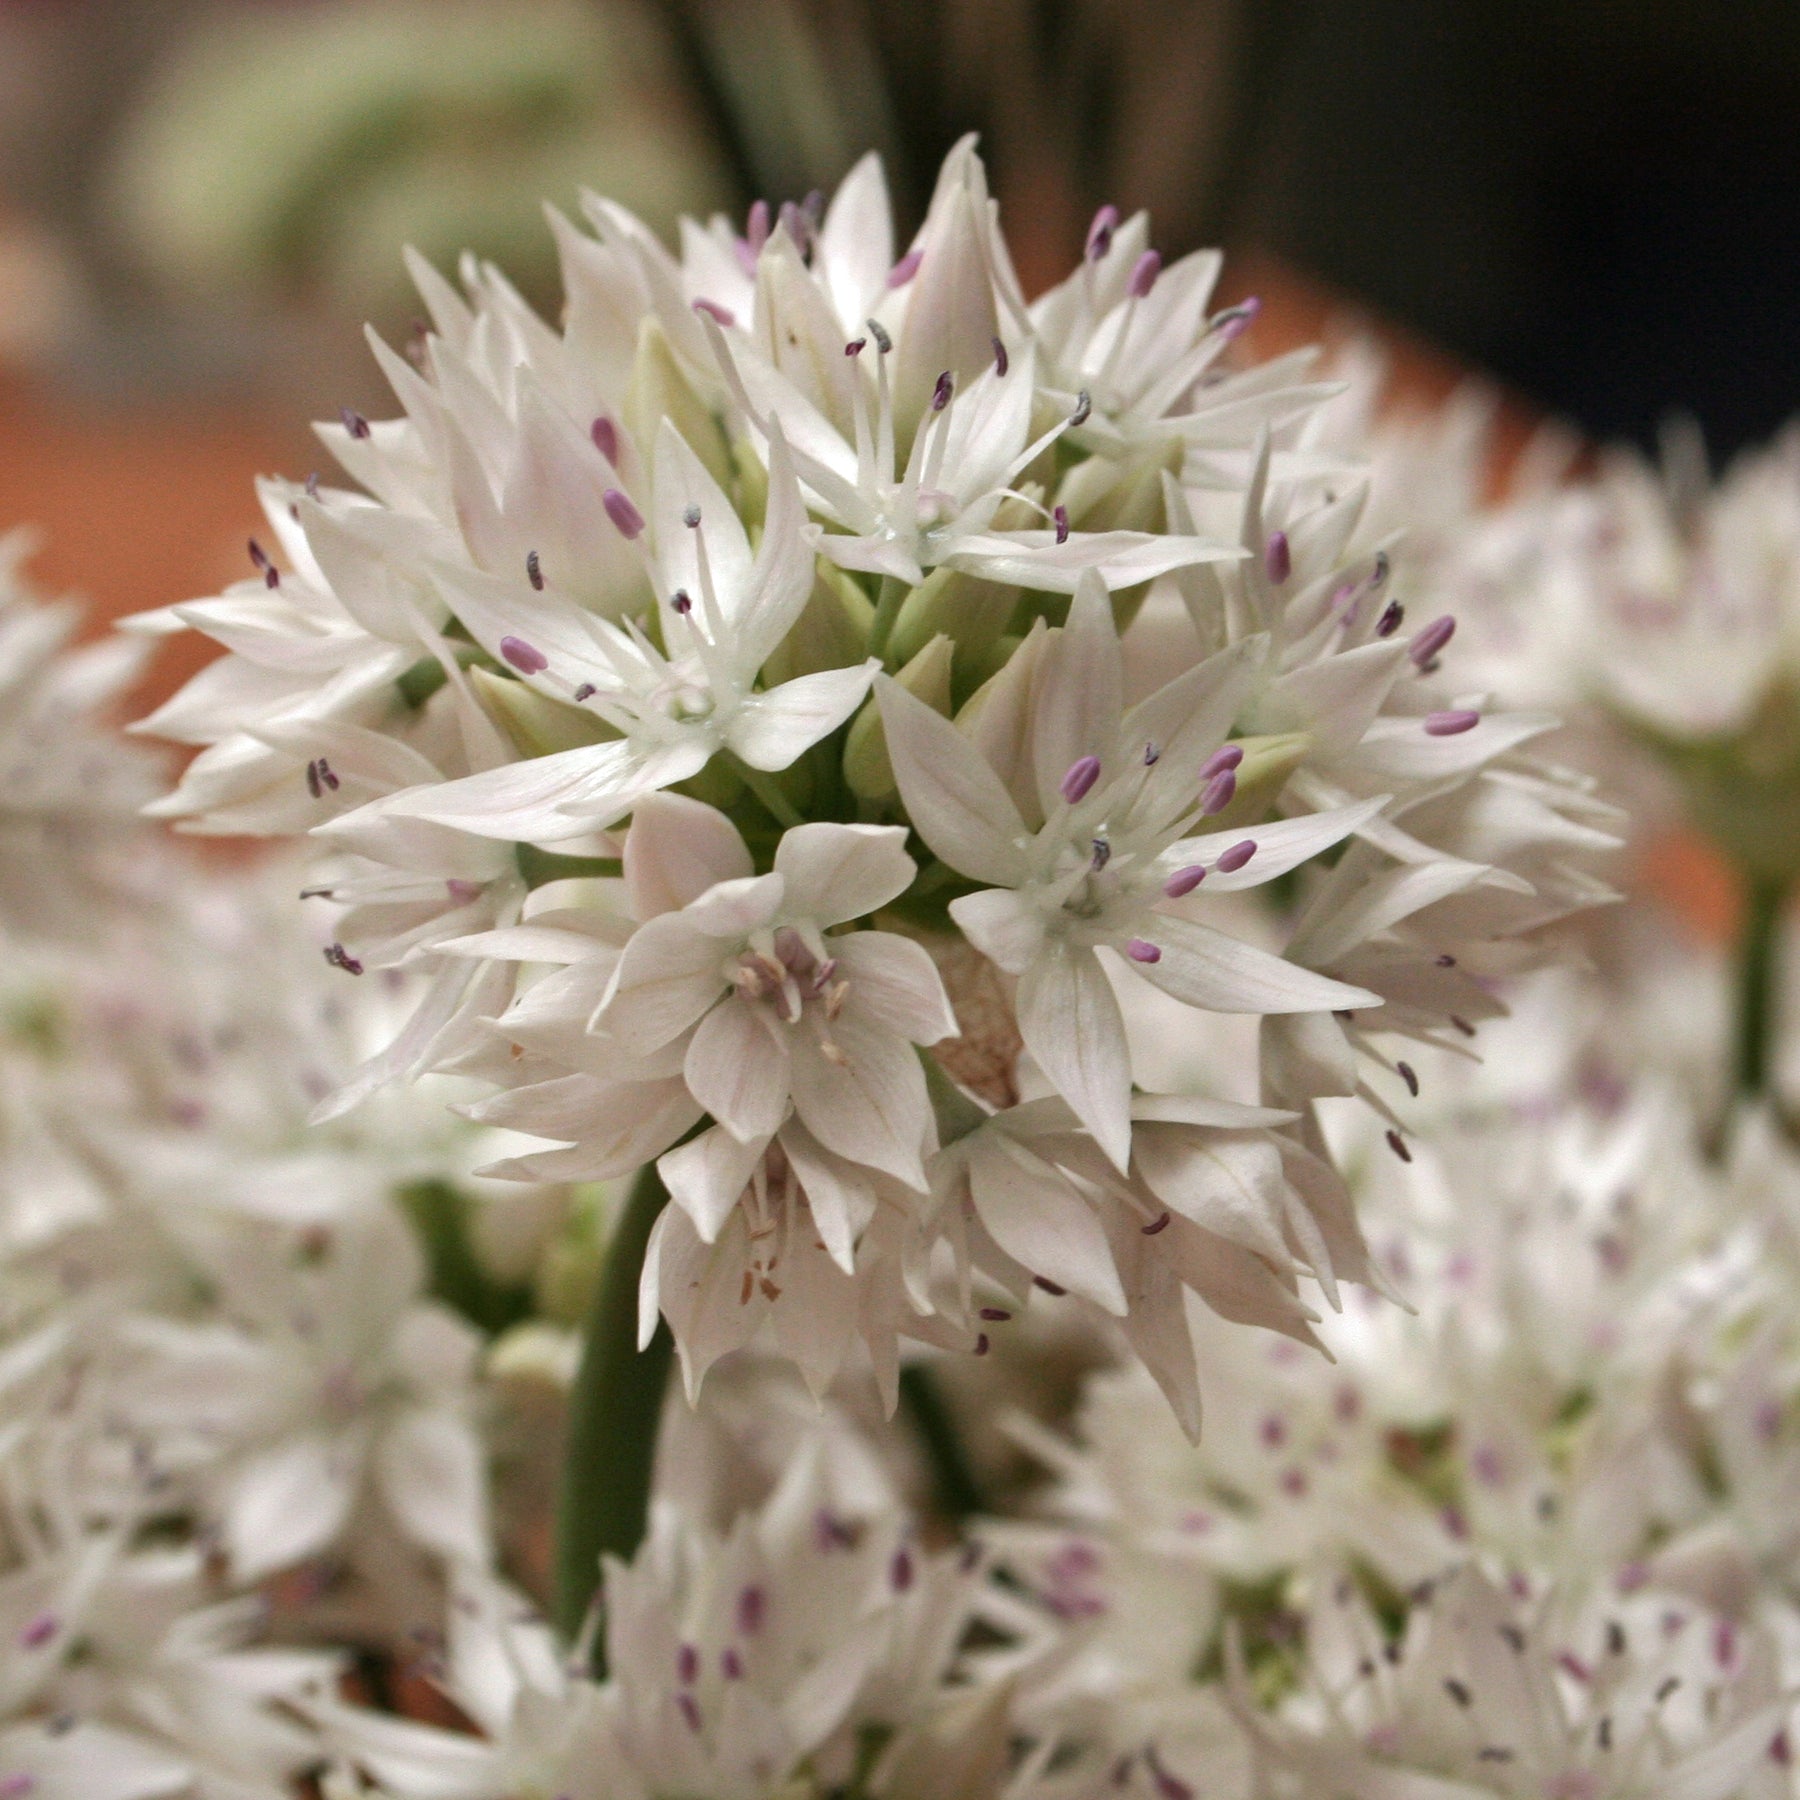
column 981, row 1343
column 39, row 1632
column 1230, row 861
column 1236, row 320
column 1227, row 756
column 534, row 570
column 622, row 513
column 1462, row 1025
column 687, row 1665
column 682, row 601
column 1278, row 561
column 1218, row 793
column 1446, row 961
column 685, row 1705
column 906, row 268
column 940, row 395
column 995, row 1315
column 713, row 310
column 1081, row 776
column 312, row 485
column 1102, row 855
column 462, row 892
column 1458, row 1692
column 1000, row 363
column 1432, row 639
column 756, row 225
column 354, row 423
column 586, row 691
column 900, row 1570
column 691, row 518
column 1160, row 1223
column 1450, row 724
column 1100, row 233
column 1184, row 881
column 813, row 206
column 327, row 775
column 1397, row 1144
column 606, row 438
column 1144, row 273
column 878, row 332
column 1409, row 1075
column 1049, row 1286
column 1152, row 754
column 856, row 346
column 528, row 659
column 1061, row 516
column 1380, row 573
column 1142, row 950
column 797, row 225
column 340, row 958
column 1084, row 404
column 312, row 779
column 1389, row 622
column 752, row 1609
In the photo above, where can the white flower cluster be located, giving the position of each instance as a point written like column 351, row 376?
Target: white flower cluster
column 795, row 710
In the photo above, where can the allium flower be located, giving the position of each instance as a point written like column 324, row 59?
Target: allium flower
column 659, row 556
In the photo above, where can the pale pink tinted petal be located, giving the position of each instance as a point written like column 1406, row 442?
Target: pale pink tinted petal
column 676, row 849
column 894, row 981
column 1071, row 1024
column 1039, row 1220
column 706, row 1176
column 868, row 1102
column 1203, row 967
column 770, row 730
column 839, row 872
column 737, row 1068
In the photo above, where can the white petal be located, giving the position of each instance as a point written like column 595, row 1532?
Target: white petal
column 1203, row 967
column 668, row 975
column 288, row 1502
column 870, row 1106
column 840, row 872
column 769, row 730
column 1004, row 928
column 676, row 849
column 894, row 981
column 706, row 1176
column 1228, row 1181
column 737, row 1068
column 1039, row 1220
column 1071, row 1024
column 432, row 1473
column 839, row 1195
column 1281, row 845
column 955, row 801
column 1079, row 695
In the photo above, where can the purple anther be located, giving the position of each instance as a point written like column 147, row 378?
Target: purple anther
column 1278, row 559
column 1227, row 756
column 606, row 438
column 1462, row 1025
column 1184, row 881
column 528, row 659
column 856, row 346
column 687, row 1665
column 1142, row 950
column 752, row 1610
column 1219, row 792
column 17, row 1787
column 1431, row 640
column 995, row 1315
column 586, row 691
column 622, row 513
column 312, row 780
column 906, row 268
column 1230, row 861
column 534, row 570
column 691, row 518
column 1397, row 1144
column 940, row 395
column 1410, row 1076
column 900, row 1570
column 340, row 958
column 1235, row 321
column 1084, row 405
column 1000, row 363
column 1049, row 1286
column 981, row 1343
column 259, row 558
column 731, row 1665
column 1082, row 773
column 328, row 775
column 1100, row 233
column 1380, row 572
column 1152, row 754
column 1389, row 622
column 354, row 422
column 797, row 225
column 1451, row 724
column 813, row 205
column 1144, row 273
column 713, row 310
column 462, row 892
column 682, row 601
column 1446, row 961
column 1160, row 1223
column 689, row 1709
column 1061, row 516
column 39, row 1632
column 756, row 224
column 1101, row 855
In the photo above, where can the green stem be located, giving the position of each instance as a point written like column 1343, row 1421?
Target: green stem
column 778, row 806
column 614, row 1410
column 953, row 1483
column 887, row 610
column 1758, row 981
